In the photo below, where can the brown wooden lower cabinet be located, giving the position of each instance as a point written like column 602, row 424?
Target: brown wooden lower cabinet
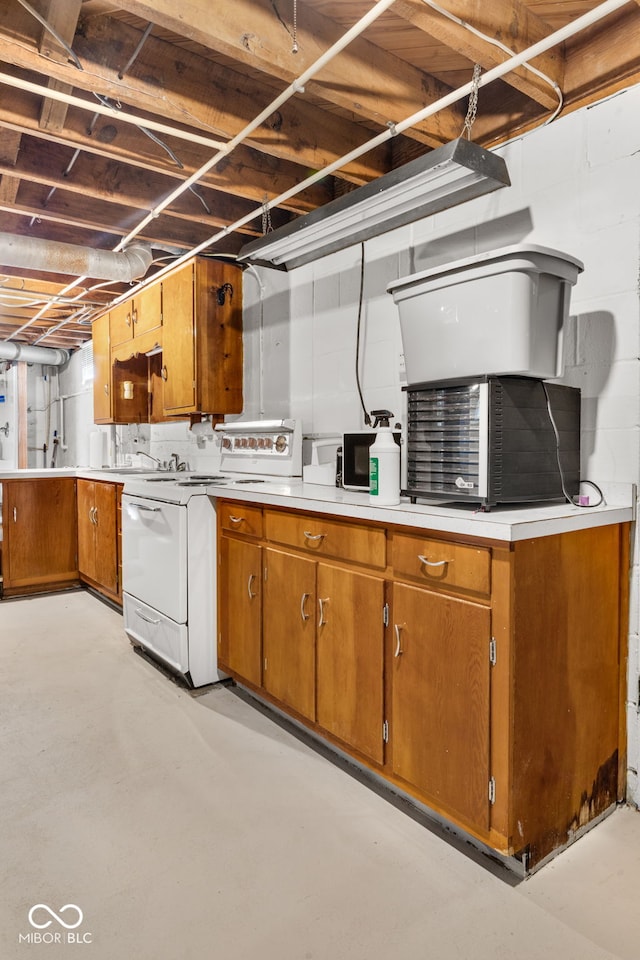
column 485, row 679
column 98, row 540
column 39, row 551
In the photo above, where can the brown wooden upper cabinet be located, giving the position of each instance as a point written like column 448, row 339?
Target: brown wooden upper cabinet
column 202, row 339
column 136, row 316
column 102, row 380
column 194, row 316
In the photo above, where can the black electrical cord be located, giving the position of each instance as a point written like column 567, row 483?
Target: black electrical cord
column 568, row 497
column 367, row 418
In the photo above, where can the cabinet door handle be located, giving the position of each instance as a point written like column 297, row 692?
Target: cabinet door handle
column 252, row 595
column 303, row 600
column 15, row 514
column 128, row 320
column 95, row 516
column 398, row 629
column 134, row 316
column 91, row 520
column 321, row 603
column 433, row 563
column 236, row 519
column 163, row 373
column 106, row 389
column 313, row 536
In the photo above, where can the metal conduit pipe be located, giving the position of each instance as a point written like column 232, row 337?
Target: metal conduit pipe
column 51, row 256
column 50, row 356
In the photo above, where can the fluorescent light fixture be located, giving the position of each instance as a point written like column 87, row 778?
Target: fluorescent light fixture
column 443, row 178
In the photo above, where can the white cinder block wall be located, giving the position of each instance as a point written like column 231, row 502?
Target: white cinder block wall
column 574, row 188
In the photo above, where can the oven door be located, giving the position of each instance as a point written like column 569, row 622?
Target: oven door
column 154, row 554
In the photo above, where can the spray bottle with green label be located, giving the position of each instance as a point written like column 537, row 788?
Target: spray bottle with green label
column 384, row 463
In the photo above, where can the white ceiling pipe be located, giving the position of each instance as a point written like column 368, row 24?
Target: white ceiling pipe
column 50, row 256
column 49, row 356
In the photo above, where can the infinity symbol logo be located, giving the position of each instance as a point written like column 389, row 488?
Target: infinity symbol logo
column 56, row 916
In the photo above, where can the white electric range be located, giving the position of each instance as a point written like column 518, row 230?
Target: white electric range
column 169, row 545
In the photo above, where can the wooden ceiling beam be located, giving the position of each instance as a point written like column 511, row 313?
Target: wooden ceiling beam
column 363, row 79
column 203, row 95
column 62, row 16
column 77, row 213
column 9, row 181
column 606, row 59
column 116, row 183
column 508, row 21
column 245, row 173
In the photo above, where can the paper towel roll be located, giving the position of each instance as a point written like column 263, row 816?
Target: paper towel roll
column 96, row 449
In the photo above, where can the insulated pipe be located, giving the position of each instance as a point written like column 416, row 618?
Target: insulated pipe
column 50, row 356
column 50, row 256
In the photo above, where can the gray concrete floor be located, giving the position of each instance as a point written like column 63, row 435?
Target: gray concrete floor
column 196, row 827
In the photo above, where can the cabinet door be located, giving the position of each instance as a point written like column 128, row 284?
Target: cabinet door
column 86, row 528
column 40, row 533
column 440, row 700
column 178, row 342
column 106, row 554
column 240, row 641
column 102, row 409
column 289, row 623
column 349, row 661
column 146, row 311
column 120, row 323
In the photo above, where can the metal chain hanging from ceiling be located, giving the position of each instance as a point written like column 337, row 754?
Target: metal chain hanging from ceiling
column 472, row 108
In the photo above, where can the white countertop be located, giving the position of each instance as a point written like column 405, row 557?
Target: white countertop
column 501, row 523
column 505, row 523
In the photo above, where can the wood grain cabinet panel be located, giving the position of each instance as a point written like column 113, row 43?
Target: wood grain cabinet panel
column 289, row 631
column 240, row 518
column 40, row 538
column 202, row 338
column 323, row 537
column 102, row 386
column 240, row 601
column 440, row 701
column 350, row 658
column 98, row 535
column 441, row 563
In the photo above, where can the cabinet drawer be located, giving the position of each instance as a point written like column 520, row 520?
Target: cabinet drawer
column 328, row 538
column 440, row 563
column 240, row 518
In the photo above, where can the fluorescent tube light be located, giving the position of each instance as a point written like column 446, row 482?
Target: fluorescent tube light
column 443, row 178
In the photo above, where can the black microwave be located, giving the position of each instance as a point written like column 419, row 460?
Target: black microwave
column 355, row 458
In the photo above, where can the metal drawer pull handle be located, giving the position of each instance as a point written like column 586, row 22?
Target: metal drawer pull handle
column 252, row 595
column 163, row 373
column 313, row 536
column 398, row 629
column 92, row 514
column 433, row 563
column 141, row 506
column 106, row 389
column 303, row 600
column 15, row 514
column 321, row 603
column 95, row 516
column 146, row 619
column 236, row 519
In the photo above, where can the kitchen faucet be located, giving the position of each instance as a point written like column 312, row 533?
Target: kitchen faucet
column 162, row 465
column 176, row 463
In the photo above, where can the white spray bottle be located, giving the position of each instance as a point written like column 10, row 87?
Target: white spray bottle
column 384, row 463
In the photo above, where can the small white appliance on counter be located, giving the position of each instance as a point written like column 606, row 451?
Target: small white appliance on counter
column 169, row 546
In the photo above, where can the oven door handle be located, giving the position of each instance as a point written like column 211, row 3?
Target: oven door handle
column 141, row 506
column 147, row 619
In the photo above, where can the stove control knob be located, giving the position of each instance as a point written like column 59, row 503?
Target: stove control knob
column 253, row 443
column 226, row 443
column 268, row 443
column 281, row 444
